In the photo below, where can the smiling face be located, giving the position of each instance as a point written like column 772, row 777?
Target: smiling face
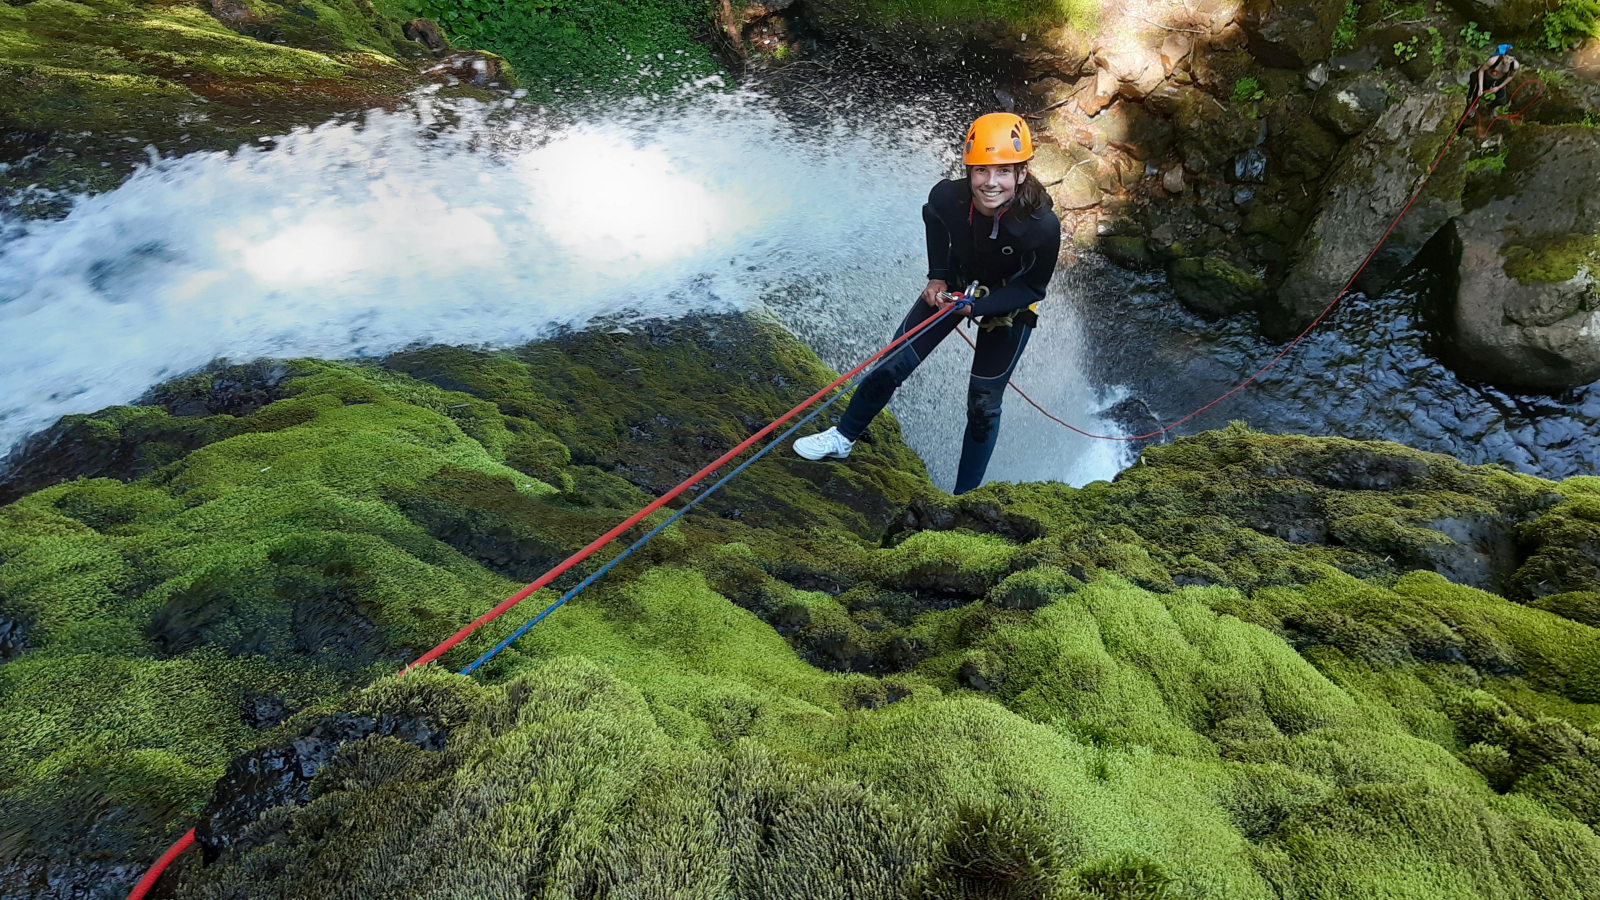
column 994, row 186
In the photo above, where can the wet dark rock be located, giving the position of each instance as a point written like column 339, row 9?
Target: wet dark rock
column 1251, row 166
column 1372, row 179
column 83, row 447
column 222, row 390
column 1214, row 288
column 427, row 33
column 13, row 639
column 1290, row 34
column 1484, row 554
column 260, row 711
column 39, row 878
column 1293, row 517
column 982, row 517
column 281, row 775
column 1134, row 416
column 124, row 443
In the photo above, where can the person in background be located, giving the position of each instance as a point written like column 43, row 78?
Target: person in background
column 1489, row 81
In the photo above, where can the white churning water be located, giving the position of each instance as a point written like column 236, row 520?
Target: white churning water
column 464, row 224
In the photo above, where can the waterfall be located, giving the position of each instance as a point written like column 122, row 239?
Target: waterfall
column 464, row 223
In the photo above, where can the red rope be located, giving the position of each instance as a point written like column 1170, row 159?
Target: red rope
column 150, row 877
column 661, row 501
column 1538, row 92
column 1314, row 323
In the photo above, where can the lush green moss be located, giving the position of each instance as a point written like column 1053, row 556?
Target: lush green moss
column 1012, row 689
column 99, row 80
column 1554, row 261
column 609, row 47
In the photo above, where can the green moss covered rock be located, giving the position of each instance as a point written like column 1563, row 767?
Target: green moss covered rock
column 99, row 81
column 1252, row 666
column 1522, row 309
column 1214, row 288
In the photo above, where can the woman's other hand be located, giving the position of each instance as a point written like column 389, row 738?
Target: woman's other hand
column 930, row 294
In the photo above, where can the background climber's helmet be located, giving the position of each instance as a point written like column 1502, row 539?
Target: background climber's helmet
column 997, row 139
column 1504, row 49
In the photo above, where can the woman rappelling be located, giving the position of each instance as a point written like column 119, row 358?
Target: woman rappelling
column 994, row 228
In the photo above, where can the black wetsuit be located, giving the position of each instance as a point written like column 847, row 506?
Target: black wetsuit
column 1014, row 259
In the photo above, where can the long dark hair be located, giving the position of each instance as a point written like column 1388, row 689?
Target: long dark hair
column 1030, row 196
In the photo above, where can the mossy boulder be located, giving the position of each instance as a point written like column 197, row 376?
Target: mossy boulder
column 1214, row 287
column 1522, row 308
column 103, row 80
column 1128, row 251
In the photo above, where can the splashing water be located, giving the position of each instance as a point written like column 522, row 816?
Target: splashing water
column 459, row 223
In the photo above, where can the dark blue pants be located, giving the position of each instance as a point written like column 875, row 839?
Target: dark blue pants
column 999, row 349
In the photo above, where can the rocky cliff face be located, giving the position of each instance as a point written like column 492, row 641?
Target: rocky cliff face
column 1251, row 665
column 1371, row 182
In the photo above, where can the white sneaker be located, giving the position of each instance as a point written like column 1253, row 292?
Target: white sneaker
column 825, row 444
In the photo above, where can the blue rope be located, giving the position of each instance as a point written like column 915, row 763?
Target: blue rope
column 677, row 514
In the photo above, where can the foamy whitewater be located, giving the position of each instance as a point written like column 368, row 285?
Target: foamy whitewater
column 461, row 223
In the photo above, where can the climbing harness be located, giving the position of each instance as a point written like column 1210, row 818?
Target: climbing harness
column 959, row 301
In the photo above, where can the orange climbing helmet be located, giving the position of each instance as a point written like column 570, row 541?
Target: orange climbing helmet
column 998, row 139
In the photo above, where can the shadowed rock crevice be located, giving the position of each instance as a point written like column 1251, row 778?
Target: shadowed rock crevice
column 245, row 809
